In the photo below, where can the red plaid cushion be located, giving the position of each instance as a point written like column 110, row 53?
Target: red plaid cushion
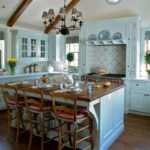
column 80, row 114
column 14, row 102
column 37, row 107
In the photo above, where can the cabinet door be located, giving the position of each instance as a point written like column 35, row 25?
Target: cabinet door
column 33, row 47
column 24, row 47
column 131, row 50
column 138, row 101
column 43, row 49
column 107, row 116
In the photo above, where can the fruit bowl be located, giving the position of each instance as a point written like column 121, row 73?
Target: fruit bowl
column 3, row 72
column 106, row 83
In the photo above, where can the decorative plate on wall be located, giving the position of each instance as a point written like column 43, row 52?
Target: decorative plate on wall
column 92, row 37
column 117, row 36
column 104, row 35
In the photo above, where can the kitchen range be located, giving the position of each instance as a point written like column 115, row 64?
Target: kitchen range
column 113, row 78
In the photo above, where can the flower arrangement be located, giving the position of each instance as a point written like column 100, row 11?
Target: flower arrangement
column 12, row 64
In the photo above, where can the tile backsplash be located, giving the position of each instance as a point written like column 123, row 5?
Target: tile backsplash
column 113, row 58
column 43, row 66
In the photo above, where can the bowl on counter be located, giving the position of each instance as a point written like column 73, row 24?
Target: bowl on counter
column 3, row 72
column 106, row 83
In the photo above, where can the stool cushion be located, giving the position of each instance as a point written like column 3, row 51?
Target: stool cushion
column 37, row 107
column 80, row 114
column 21, row 101
column 84, row 111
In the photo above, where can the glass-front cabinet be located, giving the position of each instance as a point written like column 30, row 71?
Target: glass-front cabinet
column 24, row 47
column 33, row 47
column 27, row 45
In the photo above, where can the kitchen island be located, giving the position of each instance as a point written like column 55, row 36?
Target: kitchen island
column 107, row 106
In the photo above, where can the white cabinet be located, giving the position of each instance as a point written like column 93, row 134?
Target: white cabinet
column 138, row 100
column 56, row 47
column 111, row 117
column 28, row 45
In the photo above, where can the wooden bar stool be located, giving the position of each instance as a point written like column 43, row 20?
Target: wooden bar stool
column 75, row 122
column 13, row 103
column 39, row 113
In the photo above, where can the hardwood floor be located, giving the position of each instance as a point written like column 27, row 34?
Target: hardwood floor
column 135, row 137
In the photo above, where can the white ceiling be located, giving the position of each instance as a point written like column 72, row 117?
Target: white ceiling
column 92, row 10
column 10, row 6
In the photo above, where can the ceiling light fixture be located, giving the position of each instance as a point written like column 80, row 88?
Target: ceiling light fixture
column 49, row 18
column 113, row 2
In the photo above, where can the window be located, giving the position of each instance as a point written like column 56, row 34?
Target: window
column 2, row 47
column 72, row 45
column 147, row 46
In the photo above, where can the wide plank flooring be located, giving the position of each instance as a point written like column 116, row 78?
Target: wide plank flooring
column 135, row 137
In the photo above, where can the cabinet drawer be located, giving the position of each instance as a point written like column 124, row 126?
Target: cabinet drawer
column 138, row 84
column 7, row 80
column 148, row 86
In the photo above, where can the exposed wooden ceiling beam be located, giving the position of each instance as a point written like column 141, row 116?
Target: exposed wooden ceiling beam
column 68, row 8
column 20, row 9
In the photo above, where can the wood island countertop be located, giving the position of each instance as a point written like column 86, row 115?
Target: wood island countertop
column 99, row 92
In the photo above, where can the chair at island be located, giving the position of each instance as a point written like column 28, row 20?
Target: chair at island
column 40, row 113
column 15, row 106
column 75, row 120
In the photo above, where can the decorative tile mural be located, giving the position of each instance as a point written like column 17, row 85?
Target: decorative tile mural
column 113, row 58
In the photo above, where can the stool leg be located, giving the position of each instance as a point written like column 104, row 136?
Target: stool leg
column 91, row 132
column 75, row 138
column 43, row 132
column 18, row 124
column 60, row 140
column 9, row 121
column 68, row 128
column 30, row 140
column 21, row 118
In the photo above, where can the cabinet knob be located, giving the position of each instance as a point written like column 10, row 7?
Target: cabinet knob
column 128, row 66
column 145, row 94
column 137, row 84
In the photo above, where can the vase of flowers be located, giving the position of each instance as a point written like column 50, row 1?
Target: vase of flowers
column 12, row 64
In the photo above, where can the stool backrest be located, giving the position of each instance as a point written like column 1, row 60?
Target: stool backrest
column 33, row 96
column 69, row 97
column 10, row 92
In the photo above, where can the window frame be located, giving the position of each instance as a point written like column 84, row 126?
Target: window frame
column 143, row 72
column 65, row 54
column 5, row 47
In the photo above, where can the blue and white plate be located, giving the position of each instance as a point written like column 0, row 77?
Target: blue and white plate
column 92, row 37
column 117, row 36
column 104, row 35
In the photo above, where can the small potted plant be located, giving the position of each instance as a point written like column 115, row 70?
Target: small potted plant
column 147, row 60
column 12, row 64
column 70, row 58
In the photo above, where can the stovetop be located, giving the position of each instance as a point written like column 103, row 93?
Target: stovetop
column 114, row 75
column 106, row 75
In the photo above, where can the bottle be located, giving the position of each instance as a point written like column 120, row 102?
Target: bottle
column 25, row 69
column 37, row 68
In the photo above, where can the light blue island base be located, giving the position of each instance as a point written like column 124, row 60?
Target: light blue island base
column 110, row 114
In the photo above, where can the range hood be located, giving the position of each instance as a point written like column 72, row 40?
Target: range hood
column 105, row 42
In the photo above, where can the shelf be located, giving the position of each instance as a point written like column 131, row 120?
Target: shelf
column 105, row 42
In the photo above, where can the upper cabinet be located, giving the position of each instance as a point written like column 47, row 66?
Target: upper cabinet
column 28, row 45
